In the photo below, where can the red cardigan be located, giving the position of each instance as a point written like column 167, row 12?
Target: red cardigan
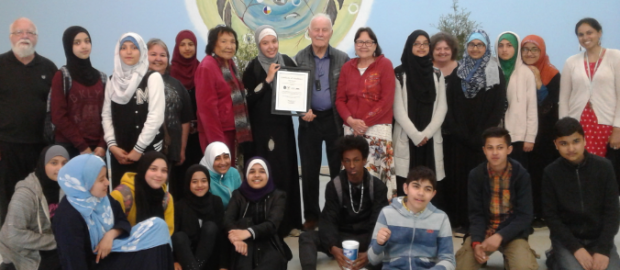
column 214, row 113
column 368, row 97
column 77, row 117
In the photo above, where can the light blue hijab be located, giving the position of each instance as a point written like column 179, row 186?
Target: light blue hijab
column 76, row 179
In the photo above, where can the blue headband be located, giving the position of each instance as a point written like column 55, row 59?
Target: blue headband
column 131, row 39
column 477, row 36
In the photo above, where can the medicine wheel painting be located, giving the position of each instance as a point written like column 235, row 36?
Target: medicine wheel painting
column 290, row 18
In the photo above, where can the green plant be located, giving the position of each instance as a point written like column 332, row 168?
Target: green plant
column 457, row 24
column 246, row 52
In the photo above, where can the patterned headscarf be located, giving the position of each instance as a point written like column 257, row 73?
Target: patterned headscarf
column 76, row 179
column 478, row 74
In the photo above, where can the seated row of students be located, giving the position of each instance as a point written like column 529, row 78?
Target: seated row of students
column 93, row 230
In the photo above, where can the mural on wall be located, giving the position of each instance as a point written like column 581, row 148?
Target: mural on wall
column 290, row 18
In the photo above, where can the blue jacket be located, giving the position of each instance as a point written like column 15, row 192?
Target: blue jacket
column 417, row 241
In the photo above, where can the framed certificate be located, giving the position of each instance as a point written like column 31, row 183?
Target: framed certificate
column 293, row 91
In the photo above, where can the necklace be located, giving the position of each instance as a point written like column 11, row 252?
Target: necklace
column 361, row 199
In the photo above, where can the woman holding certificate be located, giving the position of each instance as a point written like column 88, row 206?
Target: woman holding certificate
column 274, row 136
column 364, row 101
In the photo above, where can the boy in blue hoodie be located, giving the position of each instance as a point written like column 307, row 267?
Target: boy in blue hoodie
column 412, row 233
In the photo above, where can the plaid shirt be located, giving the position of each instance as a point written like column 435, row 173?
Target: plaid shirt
column 500, row 206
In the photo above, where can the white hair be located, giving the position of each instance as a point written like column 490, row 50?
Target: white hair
column 23, row 18
column 321, row 15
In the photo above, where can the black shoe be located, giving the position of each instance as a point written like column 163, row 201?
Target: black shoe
column 460, row 232
column 7, row 266
column 539, row 223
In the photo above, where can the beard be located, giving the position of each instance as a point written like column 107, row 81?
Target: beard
column 23, row 48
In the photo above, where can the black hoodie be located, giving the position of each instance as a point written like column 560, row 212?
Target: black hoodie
column 580, row 202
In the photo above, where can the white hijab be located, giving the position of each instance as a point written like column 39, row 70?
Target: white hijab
column 125, row 79
column 213, row 150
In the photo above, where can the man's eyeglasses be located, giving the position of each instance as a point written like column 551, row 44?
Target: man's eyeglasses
column 22, row 32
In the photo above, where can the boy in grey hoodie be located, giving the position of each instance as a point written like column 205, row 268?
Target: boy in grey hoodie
column 412, row 233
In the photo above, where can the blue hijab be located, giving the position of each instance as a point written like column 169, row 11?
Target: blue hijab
column 478, row 74
column 76, row 179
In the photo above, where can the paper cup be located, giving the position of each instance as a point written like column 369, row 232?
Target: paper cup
column 350, row 248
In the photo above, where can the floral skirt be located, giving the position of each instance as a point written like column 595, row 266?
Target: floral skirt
column 597, row 136
column 380, row 161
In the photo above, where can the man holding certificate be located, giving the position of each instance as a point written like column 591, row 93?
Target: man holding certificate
column 321, row 122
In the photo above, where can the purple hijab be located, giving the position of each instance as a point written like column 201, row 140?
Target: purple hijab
column 255, row 195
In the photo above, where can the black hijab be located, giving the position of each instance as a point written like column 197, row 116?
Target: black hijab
column 200, row 205
column 80, row 69
column 149, row 201
column 51, row 189
column 419, row 70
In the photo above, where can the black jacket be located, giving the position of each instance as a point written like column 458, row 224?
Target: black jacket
column 580, row 202
column 338, row 217
column 241, row 214
column 518, row 224
column 73, row 239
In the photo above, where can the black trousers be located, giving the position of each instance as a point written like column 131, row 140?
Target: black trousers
column 17, row 160
column 196, row 257
column 310, row 245
column 311, row 136
column 118, row 170
column 519, row 155
column 614, row 157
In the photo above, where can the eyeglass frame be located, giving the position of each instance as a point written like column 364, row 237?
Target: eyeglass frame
column 365, row 43
column 476, row 46
column 427, row 45
column 534, row 50
column 22, row 32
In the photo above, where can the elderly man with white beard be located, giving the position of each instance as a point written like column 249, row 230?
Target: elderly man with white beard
column 25, row 81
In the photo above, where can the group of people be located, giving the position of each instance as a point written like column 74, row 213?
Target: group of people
column 431, row 145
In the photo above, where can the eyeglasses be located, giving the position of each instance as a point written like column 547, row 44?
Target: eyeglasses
column 366, row 43
column 423, row 45
column 532, row 50
column 22, row 32
column 476, row 46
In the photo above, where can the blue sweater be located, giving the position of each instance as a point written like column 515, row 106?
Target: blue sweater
column 417, row 241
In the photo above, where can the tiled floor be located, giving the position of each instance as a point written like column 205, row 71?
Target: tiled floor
column 539, row 241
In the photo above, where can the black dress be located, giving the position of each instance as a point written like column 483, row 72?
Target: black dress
column 192, row 235
column 74, row 246
column 274, row 140
column 267, row 250
column 465, row 121
column 544, row 149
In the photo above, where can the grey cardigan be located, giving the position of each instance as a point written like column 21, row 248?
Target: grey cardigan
column 27, row 228
column 337, row 58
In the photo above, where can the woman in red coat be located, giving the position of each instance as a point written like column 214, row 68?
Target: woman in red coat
column 364, row 101
column 222, row 114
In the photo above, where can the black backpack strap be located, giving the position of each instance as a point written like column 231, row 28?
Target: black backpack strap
column 338, row 187
column 66, row 79
column 371, row 185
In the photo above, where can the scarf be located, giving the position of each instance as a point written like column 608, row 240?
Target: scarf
column 80, row 69
column 183, row 69
column 200, row 205
column 125, row 79
column 222, row 185
column 149, row 201
column 243, row 131
column 50, row 188
column 76, row 179
column 478, row 74
column 547, row 70
column 419, row 70
column 508, row 66
column 255, row 195
column 260, row 33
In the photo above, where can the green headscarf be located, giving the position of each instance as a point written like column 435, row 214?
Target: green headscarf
column 508, row 66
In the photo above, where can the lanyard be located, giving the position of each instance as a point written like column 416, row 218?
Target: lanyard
column 590, row 75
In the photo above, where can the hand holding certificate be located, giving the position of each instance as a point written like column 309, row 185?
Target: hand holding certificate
column 291, row 95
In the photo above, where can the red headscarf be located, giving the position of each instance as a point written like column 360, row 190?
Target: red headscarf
column 182, row 68
column 547, row 70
